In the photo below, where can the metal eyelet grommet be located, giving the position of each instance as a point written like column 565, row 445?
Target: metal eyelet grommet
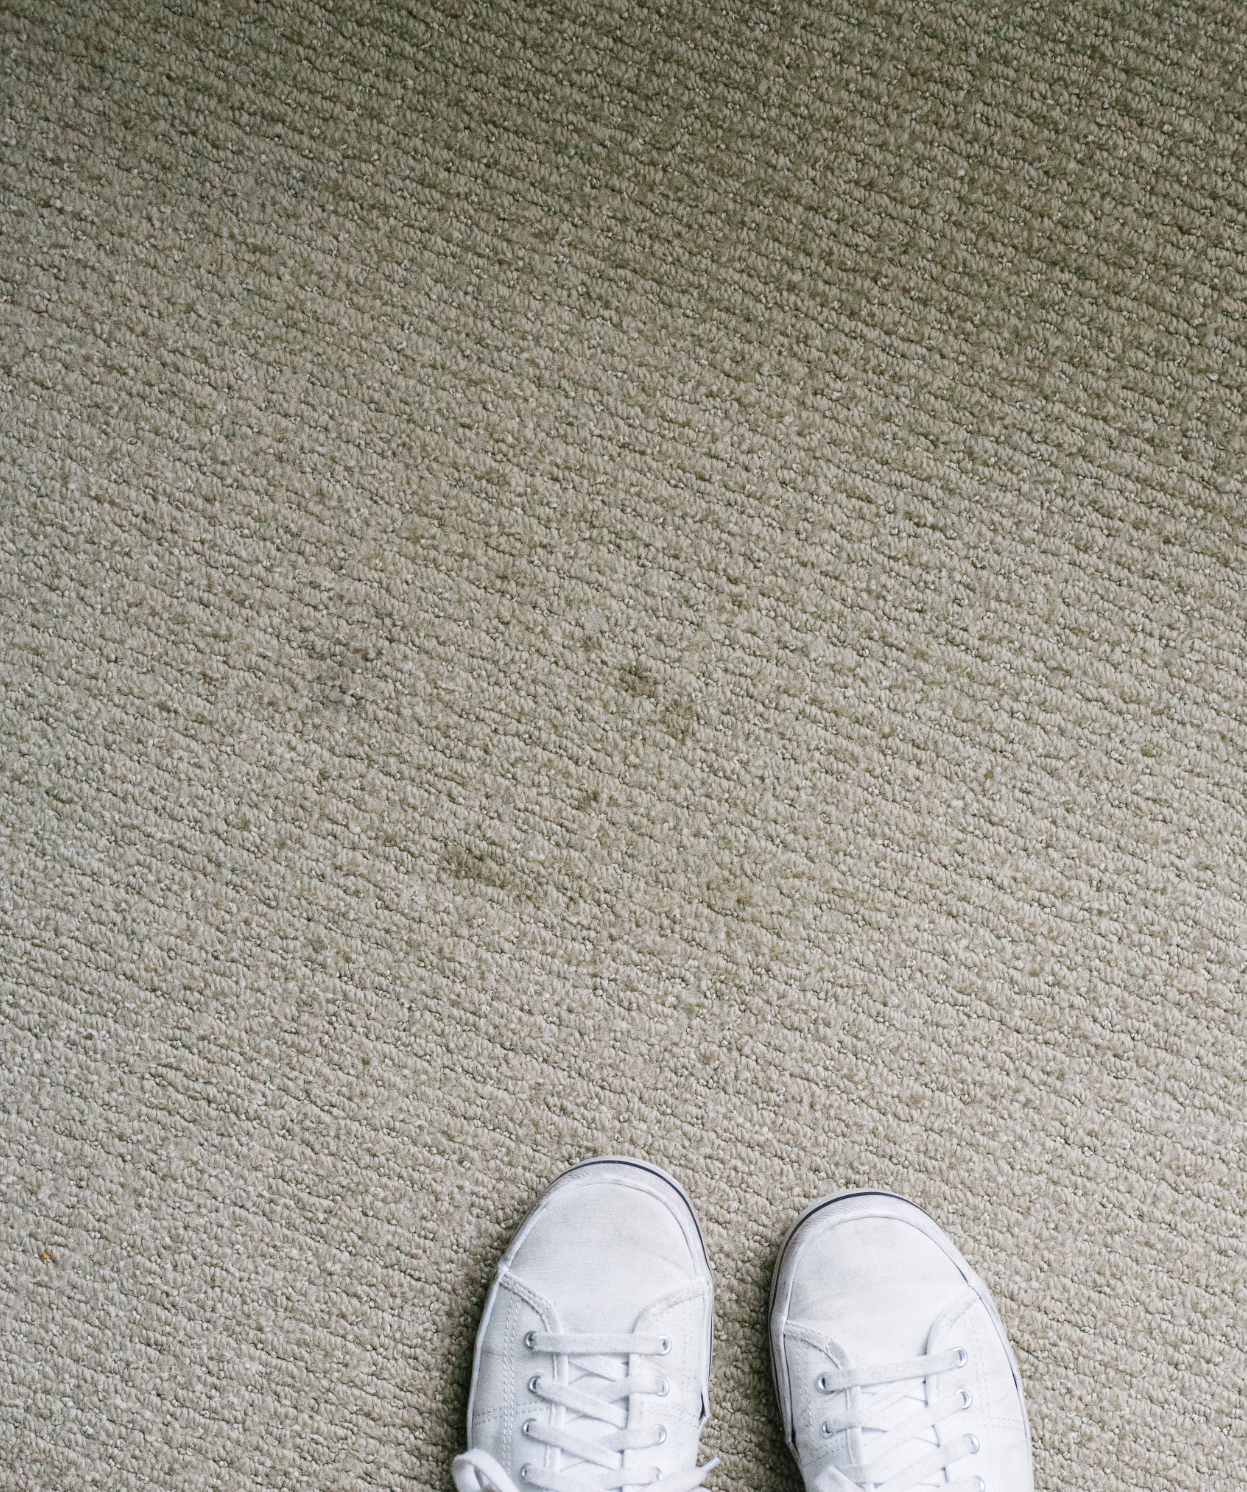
column 825, row 1428
column 664, row 1390
column 530, row 1340
column 525, row 1472
column 533, row 1382
column 820, row 1383
column 527, row 1427
column 662, row 1435
column 963, row 1357
column 974, row 1445
column 967, row 1398
column 665, row 1348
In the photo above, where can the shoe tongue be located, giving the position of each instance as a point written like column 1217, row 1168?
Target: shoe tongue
column 882, row 1422
column 910, row 1404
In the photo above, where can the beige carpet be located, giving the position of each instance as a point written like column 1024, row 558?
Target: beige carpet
column 663, row 579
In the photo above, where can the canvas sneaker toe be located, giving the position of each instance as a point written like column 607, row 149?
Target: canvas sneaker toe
column 592, row 1360
column 891, row 1365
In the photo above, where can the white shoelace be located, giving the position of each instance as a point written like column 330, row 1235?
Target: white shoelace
column 892, row 1411
column 600, row 1383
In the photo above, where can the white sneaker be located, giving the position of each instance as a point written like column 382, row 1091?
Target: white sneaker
column 592, row 1368
column 891, row 1365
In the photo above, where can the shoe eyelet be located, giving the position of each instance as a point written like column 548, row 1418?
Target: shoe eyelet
column 657, row 1470
column 974, row 1445
column 665, row 1348
column 664, row 1389
column 825, row 1428
column 530, row 1340
column 820, row 1383
column 662, row 1435
column 963, row 1357
column 527, row 1427
column 533, row 1382
column 979, row 1484
column 525, row 1472
column 967, row 1398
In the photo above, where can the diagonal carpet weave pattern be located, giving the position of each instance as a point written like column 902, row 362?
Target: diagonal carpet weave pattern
column 655, row 578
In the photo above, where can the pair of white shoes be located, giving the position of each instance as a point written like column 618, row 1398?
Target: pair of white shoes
column 592, row 1361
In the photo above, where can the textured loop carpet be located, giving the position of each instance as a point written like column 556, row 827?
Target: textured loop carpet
column 613, row 578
